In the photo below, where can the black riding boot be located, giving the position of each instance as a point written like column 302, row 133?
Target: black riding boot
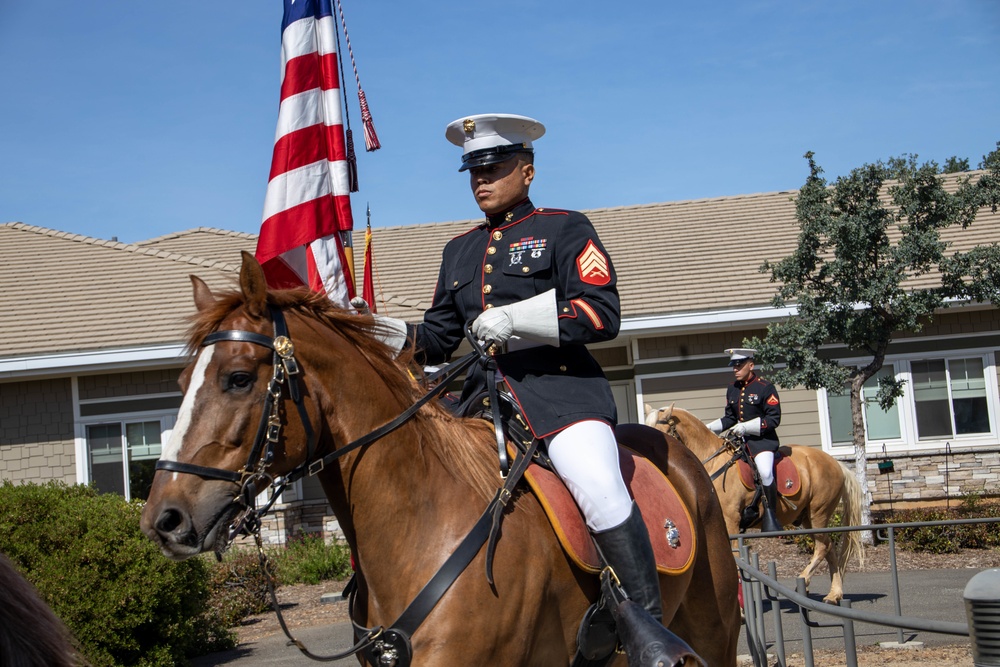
column 627, row 550
column 769, row 524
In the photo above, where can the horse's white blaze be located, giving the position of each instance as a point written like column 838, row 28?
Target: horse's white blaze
column 173, row 447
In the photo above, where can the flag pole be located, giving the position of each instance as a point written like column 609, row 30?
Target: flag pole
column 368, row 281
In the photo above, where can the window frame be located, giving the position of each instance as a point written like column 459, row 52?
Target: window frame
column 908, row 442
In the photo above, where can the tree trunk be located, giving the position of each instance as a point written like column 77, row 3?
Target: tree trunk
column 861, row 455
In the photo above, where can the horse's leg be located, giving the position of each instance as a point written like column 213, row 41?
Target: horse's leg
column 825, row 549
column 836, row 577
column 822, row 545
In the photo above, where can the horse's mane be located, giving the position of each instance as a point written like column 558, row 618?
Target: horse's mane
column 461, row 444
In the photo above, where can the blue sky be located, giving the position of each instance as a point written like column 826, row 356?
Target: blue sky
column 138, row 119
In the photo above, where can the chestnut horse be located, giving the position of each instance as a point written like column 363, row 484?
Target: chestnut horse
column 406, row 501
column 825, row 484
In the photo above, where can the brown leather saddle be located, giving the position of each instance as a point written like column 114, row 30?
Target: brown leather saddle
column 786, row 475
column 668, row 519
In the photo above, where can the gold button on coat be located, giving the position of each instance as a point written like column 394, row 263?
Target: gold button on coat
column 491, row 250
column 487, row 289
column 525, row 269
column 488, row 268
column 497, row 235
column 562, row 368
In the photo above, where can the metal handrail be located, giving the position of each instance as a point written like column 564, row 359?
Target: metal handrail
column 908, row 622
column 876, row 527
column 758, row 585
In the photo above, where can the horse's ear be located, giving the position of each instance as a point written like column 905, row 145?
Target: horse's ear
column 668, row 412
column 254, row 286
column 203, row 297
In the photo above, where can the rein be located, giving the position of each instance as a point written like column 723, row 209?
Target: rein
column 389, row 646
column 286, row 371
column 738, row 452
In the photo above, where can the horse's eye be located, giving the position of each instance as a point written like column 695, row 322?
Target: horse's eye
column 240, row 380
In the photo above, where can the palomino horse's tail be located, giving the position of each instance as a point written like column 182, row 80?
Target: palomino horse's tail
column 852, row 498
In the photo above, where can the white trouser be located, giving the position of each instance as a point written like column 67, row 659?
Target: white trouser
column 765, row 466
column 585, row 456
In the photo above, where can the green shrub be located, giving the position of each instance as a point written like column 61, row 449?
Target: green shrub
column 123, row 601
column 237, row 587
column 933, row 539
column 946, row 539
column 307, row 559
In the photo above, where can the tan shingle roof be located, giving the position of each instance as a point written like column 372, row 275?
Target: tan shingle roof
column 671, row 258
column 63, row 292
column 217, row 244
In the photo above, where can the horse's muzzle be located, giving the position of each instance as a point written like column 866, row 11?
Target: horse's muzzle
column 176, row 533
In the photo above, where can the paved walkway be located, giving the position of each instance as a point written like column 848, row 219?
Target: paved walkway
column 931, row 594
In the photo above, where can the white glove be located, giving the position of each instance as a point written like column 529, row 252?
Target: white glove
column 752, row 427
column 361, row 306
column 716, row 426
column 389, row 330
column 535, row 319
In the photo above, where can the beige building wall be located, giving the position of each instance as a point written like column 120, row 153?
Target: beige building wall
column 704, row 395
column 36, row 431
column 137, row 383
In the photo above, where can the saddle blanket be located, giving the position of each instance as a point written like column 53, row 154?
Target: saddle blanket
column 786, row 475
column 662, row 509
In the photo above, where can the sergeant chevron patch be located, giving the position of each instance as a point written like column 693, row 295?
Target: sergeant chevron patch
column 593, row 266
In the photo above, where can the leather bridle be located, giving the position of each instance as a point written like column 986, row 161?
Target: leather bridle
column 382, row 645
column 254, row 478
column 286, row 372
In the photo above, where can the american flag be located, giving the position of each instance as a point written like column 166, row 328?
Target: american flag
column 307, row 204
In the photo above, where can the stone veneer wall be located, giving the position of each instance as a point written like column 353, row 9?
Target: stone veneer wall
column 934, row 479
column 301, row 518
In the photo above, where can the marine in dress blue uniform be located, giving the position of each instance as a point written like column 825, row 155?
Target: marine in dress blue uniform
column 512, row 256
column 753, row 411
column 755, row 398
column 538, row 283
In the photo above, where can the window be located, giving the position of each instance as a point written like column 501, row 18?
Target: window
column 944, row 400
column 880, row 424
column 121, row 456
column 950, row 398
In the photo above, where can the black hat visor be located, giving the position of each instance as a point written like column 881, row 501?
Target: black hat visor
column 492, row 155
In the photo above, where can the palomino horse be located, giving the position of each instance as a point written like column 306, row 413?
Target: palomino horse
column 406, row 501
column 825, row 484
